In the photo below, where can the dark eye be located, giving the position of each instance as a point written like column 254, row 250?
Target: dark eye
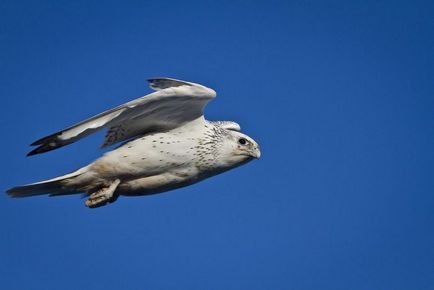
column 242, row 141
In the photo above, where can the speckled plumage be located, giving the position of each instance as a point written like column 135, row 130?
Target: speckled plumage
column 175, row 147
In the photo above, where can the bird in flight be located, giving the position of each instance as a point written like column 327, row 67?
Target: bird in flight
column 168, row 144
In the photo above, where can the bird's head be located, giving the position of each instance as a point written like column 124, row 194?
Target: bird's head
column 238, row 148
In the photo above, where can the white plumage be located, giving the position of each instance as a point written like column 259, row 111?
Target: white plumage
column 169, row 145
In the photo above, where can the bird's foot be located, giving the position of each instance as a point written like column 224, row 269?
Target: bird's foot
column 103, row 195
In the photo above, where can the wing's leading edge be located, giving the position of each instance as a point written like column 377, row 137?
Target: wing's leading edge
column 173, row 104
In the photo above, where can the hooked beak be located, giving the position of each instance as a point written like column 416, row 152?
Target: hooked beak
column 256, row 153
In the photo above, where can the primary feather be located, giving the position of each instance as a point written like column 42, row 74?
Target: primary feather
column 173, row 104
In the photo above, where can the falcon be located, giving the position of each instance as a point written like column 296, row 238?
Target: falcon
column 167, row 144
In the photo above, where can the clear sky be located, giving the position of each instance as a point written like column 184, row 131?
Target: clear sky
column 339, row 94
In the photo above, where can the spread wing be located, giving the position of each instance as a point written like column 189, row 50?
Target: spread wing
column 173, row 104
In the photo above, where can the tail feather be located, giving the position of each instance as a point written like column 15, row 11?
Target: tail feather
column 52, row 188
column 56, row 186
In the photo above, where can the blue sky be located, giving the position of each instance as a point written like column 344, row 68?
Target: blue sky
column 338, row 93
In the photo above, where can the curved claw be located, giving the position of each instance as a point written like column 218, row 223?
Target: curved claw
column 103, row 196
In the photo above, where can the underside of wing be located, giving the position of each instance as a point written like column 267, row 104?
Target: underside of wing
column 172, row 105
column 74, row 133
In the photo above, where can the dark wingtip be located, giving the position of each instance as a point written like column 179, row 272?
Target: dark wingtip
column 38, row 142
column 31, row 153
column 10, row 192
column 45, row 144
column 44, row 148
column 45, row 139
column 13, row 192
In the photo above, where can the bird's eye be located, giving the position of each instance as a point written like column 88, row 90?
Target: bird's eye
column 242, row 141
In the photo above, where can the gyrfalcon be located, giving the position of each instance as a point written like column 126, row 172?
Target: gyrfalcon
column 167, row 144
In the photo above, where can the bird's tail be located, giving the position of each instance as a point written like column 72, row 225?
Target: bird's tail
column 66, row 184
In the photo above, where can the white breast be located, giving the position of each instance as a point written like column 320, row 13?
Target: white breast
column 153, row 154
